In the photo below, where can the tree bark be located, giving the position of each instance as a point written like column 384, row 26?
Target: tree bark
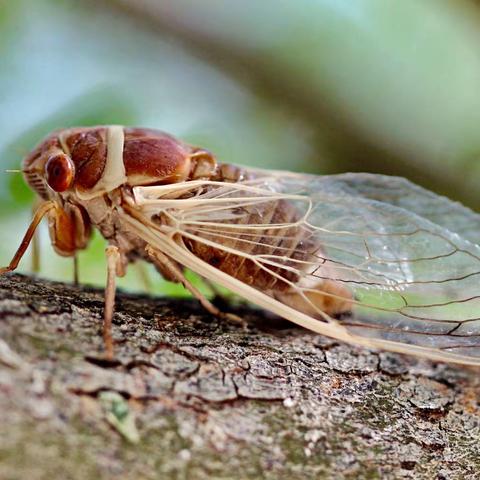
column 193, row 397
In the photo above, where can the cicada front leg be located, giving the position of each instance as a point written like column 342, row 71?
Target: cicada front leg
column 70, row 231
column 45, row 208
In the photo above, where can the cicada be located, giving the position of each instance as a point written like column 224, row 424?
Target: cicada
column 367, row 259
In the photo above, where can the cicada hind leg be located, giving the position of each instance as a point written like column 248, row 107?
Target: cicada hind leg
column 170, row 271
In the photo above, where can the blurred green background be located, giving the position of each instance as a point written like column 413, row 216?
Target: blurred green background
column 319, row 86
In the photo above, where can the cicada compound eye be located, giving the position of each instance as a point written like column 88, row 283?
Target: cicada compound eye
column 60, row 172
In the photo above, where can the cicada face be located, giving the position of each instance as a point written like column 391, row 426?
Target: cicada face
column 52, row 173
column 60, row 171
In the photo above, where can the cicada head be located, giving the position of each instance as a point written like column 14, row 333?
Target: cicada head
column 66, row 160
column 54, row 170
column 33, row 166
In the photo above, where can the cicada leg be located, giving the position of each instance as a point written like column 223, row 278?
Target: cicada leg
column 69, row 232
column 35, row 257
column 215, row 290
column 35, row 254
column 75, row 270
column 115, row 268
column 177, row 275
column 41, row 211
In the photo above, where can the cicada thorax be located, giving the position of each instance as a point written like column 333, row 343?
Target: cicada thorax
column 135, row 156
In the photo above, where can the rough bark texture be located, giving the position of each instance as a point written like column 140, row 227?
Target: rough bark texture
column 194, row 397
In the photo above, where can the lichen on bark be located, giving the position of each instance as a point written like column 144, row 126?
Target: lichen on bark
column 194, row 397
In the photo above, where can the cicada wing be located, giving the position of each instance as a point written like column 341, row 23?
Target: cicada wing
column 409, row 275
column 400, row 192
column 395, row 191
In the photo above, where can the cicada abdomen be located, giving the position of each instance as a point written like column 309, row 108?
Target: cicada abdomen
column 367, row 259
column 266, row 229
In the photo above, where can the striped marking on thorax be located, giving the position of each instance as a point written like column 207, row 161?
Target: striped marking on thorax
column 114, row 174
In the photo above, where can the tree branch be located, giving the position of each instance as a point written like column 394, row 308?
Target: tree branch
column 194, row 397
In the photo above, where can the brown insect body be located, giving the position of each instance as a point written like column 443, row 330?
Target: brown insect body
column 151, row 157
column 399, row 264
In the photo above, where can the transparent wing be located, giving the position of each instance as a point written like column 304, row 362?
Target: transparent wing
column 399, row 192
column 404, row 260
